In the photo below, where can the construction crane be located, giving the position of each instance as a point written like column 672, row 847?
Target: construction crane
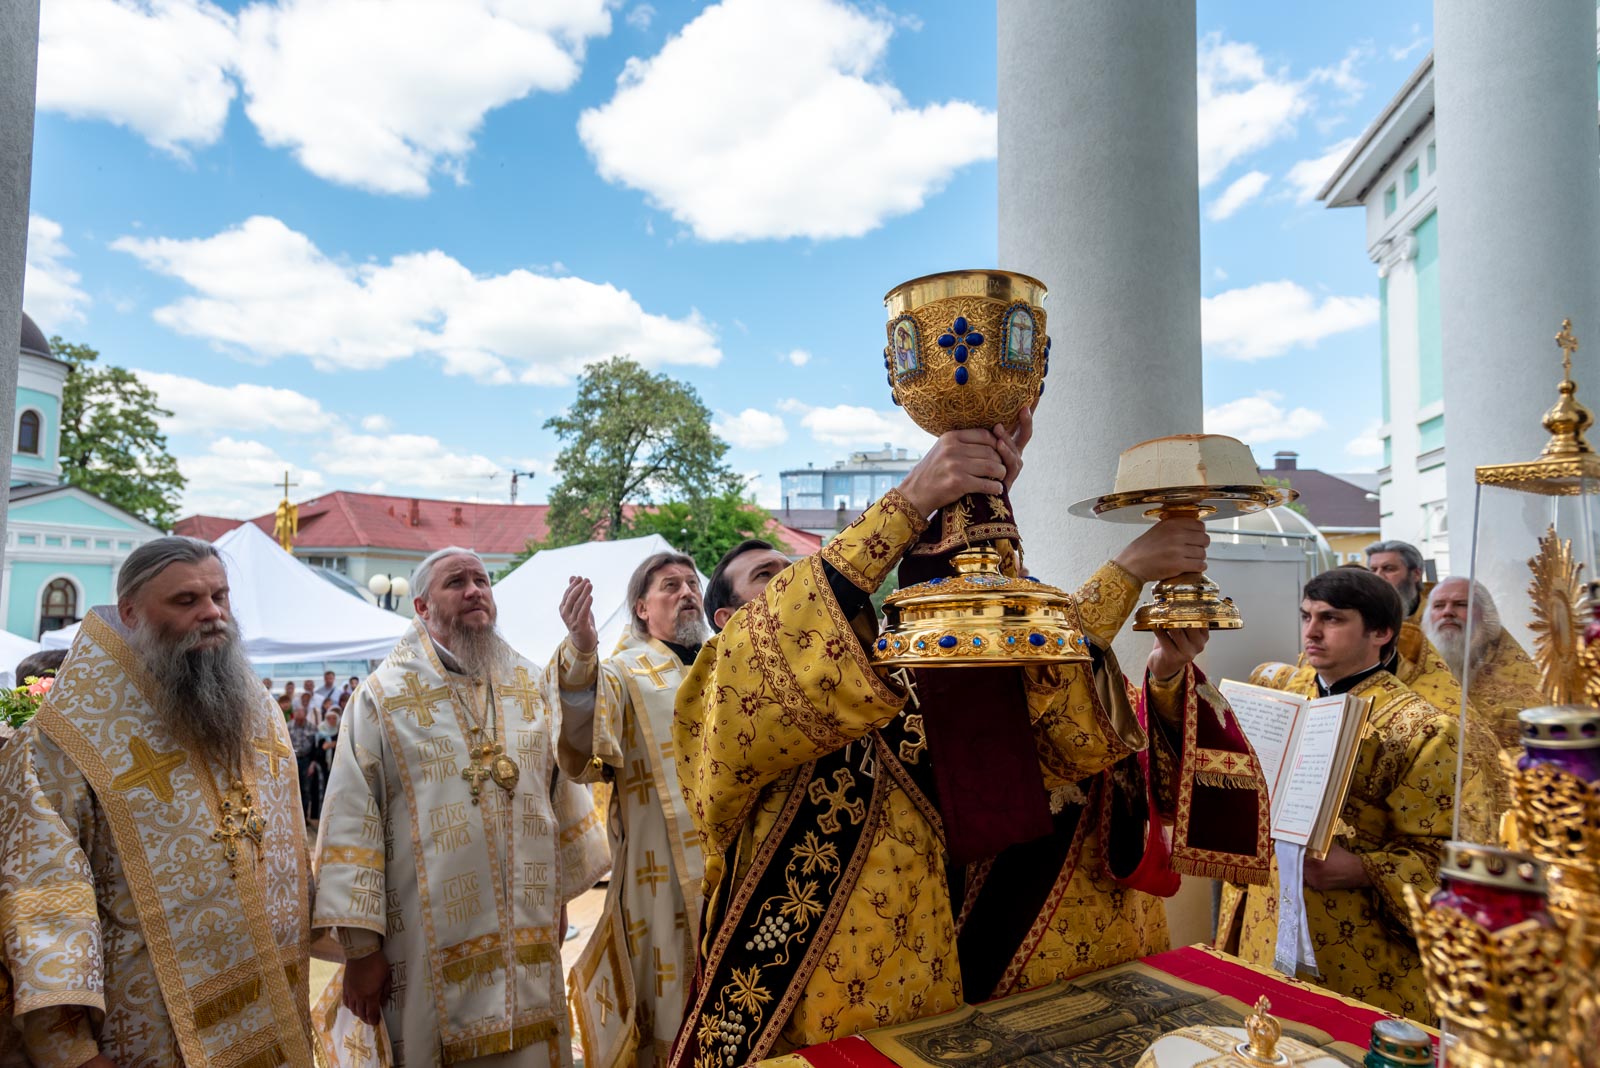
column 514, row 476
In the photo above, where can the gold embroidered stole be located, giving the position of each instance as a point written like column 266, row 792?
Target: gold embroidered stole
column 229, row 949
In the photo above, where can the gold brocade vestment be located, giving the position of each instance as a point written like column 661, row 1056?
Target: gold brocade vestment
column 788, row 683
column 126, row 929
column 463, row 896
column 1400, row 807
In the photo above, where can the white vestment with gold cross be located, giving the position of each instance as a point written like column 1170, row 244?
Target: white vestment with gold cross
column 153, row 907
column 460, row 878
column 630, row 985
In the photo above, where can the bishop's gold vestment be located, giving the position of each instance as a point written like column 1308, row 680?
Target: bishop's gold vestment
column 127, row 929
column 1505, row 681
column 629, row 986
column 786, row 684
column 464, row 896
column 1399, row 811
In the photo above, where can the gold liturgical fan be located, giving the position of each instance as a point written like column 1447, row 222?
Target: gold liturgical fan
column 968, row 350
column 1186, row 476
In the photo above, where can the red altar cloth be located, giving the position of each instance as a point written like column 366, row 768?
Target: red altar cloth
column 1346, row 1021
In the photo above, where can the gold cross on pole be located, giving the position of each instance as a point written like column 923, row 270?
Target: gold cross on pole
column 417, row 701
column 654, row 670
column 1569, row 345
column 150, row 769
column 287, row 485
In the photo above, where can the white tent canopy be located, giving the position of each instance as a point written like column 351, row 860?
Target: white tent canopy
column 529, row 599
column 12, row 650
column 287, row 613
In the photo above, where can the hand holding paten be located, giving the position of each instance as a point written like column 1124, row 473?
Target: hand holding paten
column 1170, row 547
column 577, row 612
column 960, row 462
column 366, row 987
column 1175, row 650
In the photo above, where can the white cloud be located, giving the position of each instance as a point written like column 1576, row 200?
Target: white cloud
column 1342, row 75
column 1260, row 418
column 798, row 357
column 641, row 16
column 1366, row 444
column 50, row 292
column 855, row 426
column 1271, row 318
column 1309, row 175
column 157, row 67
column 772, row 120
column 200, row 406
column 1418, row 40
column 417, row 461
column 379, row 94
column 234, row 477
column 1239, row 193
column 270, row 291
column 751, row 429
column 377, row 424
column 1243, row 107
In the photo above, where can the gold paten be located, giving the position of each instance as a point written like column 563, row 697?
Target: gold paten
column 1191, row 601
column 1567, row 460
column 980, row 617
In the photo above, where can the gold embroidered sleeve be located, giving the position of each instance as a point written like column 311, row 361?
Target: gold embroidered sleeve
column 352, row 872
column 784, row 683
column 1107, row 600
column 49, row 919
column 1419, row 811
column 1082, row 720
column 58, row 1037
column 868, row 549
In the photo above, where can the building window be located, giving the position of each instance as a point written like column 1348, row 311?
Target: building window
column 28, row 433
column 339, row 564
column 1433, row 156
column 59, row 606
column 1411, row 179
column 1388, row 201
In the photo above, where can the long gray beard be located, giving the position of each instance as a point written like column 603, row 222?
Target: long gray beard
column 691, row 630
column 208, row 698
column 1451, row 645
column 479, row 650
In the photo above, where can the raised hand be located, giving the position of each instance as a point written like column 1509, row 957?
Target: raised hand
column 1176, row 649
column 1171, row 547
column 577, row 612
column 1011, row 440
column 960, row 462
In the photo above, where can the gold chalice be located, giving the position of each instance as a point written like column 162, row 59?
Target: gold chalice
column 967, row 350
column 1185, row 476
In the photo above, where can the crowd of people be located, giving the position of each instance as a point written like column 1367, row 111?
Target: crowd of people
column 800, row 848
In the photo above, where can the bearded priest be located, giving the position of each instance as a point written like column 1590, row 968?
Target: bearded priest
column 153, row 895
column 448, row 845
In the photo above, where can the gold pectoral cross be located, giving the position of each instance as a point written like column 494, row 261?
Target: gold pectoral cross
column 488, row 761
column 239, row 820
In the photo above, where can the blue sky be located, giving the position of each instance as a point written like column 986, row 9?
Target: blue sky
column 374, row 243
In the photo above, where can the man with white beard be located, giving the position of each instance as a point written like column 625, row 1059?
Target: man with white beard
column 448, row 845
column 153, row 891
column 630, row 985
column 1504, row 679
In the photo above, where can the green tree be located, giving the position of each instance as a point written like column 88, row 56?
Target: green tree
column 111, row 444
column 1283, row 483
column 630, row 438
column 708, row 527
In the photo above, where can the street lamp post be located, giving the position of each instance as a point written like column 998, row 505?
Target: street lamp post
column 390, row 592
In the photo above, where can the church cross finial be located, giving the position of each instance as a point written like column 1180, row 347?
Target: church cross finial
column 287, row 485
column 1569, row 345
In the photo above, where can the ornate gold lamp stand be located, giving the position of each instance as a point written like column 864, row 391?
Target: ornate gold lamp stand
column 1186, row 476
column 968, row 350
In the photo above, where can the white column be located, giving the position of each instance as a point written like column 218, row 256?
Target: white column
column 19, row 54
column 1519, row 226
column 1099, row 200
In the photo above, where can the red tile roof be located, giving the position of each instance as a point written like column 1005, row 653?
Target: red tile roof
column 800, row 542
column 205, row 527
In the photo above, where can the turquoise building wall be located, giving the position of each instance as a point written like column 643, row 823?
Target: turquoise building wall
column 1430, row 344
column 28, row 580
column 49, row 408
